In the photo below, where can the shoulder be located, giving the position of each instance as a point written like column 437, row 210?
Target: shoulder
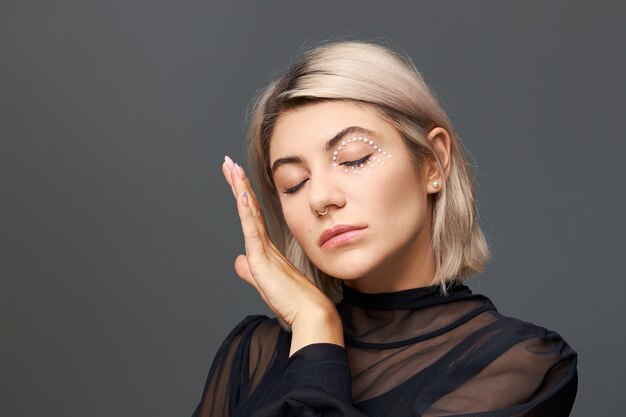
column 251, row 344
column 525, row 363
column 262, row 344
column 259, row 326
column 535, row 338
column 518, row 343
column 254, row 329
column 497, row 329
column 264, row 338
column 256, row 340
column 508, row 364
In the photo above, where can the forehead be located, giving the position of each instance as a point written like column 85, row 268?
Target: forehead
column 306, row 129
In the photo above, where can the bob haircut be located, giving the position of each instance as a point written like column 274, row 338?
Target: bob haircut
column 374, row 76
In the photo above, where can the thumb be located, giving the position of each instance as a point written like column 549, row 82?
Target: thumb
column 243, row 270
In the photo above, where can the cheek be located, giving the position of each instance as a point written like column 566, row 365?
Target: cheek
column 292, row 213
column 394, row 190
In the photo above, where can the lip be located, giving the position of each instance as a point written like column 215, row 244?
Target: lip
column 337, row 230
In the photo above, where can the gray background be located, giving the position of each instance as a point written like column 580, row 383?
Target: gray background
column 118, row 233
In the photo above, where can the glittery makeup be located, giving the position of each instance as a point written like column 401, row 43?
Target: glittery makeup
column 363, row 165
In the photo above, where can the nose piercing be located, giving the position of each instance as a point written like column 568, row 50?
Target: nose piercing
column 325, row 211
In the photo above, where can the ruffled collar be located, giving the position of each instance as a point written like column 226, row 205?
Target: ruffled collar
column 406, row 299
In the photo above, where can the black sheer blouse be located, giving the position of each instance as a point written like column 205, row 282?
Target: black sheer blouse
column 408, row 353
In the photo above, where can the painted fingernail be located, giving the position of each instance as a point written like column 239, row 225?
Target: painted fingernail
column 240, row 170
column 245, row 198
column 228, row 161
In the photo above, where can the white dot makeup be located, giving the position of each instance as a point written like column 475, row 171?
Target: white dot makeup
column 377, row 158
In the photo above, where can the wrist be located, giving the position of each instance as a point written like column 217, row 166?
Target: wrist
column 316, row 326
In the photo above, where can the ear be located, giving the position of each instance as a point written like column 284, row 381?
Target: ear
column 440, row 141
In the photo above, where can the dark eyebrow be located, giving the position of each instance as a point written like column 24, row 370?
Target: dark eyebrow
column 327, row 147
column 345, row 132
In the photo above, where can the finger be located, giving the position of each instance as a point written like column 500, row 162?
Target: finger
column 226, row 171
column 250, row 226
column 227, row 167
column 257, row 210
column 254, row 203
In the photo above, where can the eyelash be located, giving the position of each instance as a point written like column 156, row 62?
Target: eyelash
column 357, row 162
column 294, row 190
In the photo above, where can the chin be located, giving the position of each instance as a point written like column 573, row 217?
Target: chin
column 348, row 267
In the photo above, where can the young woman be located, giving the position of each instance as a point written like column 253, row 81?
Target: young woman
column 372, row 230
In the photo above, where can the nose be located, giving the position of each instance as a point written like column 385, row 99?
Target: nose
column 325, row 193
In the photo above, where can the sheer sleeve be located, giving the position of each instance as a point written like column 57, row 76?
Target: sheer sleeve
column 524, row 370
column 253, row 367
column 316, row 382
column 226, row 381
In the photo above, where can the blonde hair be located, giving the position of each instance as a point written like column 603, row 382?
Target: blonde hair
column 377, row 77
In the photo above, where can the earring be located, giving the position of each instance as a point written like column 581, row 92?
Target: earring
column 435, row 184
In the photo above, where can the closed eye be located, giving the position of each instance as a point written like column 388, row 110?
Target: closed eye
column 295, row 189
column 357, row 162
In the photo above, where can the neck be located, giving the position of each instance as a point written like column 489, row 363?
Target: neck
column 411, row 267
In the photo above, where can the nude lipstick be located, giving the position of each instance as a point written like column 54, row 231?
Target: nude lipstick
column 340, row 234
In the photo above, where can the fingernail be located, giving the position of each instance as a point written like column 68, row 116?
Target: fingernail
column 228, row 161
column 240, row 170
column 245, row 198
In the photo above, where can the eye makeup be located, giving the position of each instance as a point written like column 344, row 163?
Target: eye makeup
column 365, row 164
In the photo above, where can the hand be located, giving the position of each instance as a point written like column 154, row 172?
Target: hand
column 289, row 294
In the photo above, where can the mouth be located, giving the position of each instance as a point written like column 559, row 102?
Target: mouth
column 340, row 234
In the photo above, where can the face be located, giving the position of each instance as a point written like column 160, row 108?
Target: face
column 345, row 159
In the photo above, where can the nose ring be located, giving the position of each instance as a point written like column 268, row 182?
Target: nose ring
column 325, row 211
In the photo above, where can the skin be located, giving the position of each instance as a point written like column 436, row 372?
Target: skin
column 392, row 204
